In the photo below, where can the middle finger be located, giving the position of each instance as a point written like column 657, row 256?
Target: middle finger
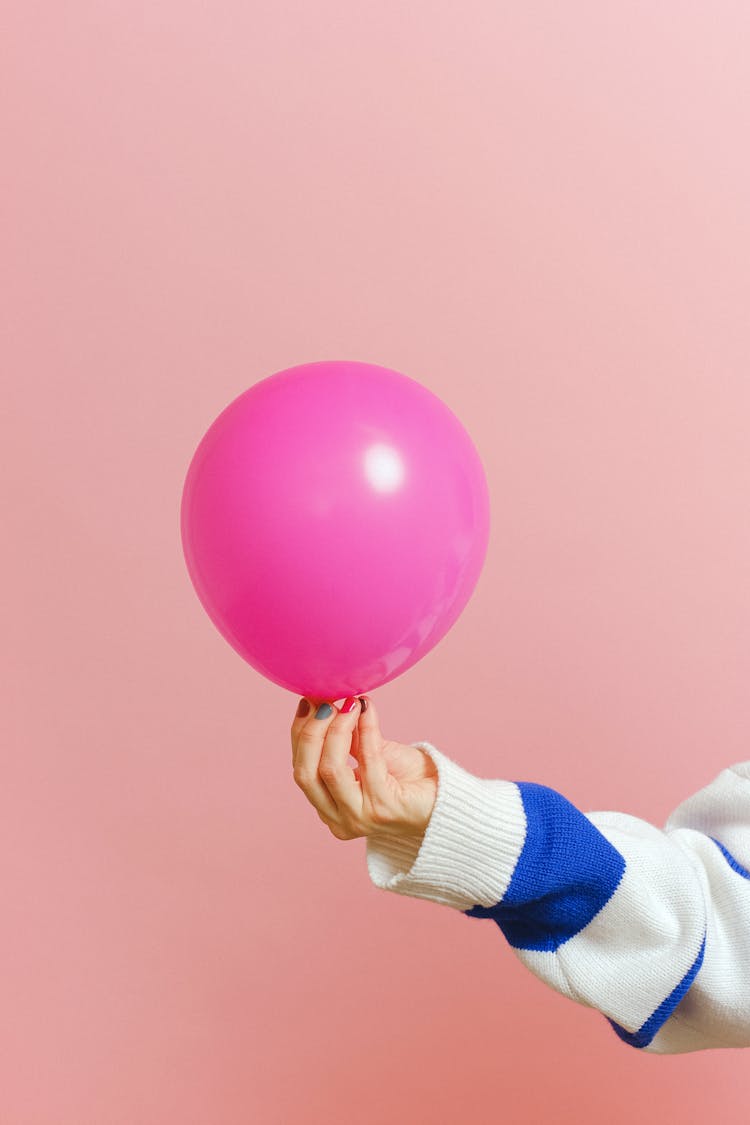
column 334, row 768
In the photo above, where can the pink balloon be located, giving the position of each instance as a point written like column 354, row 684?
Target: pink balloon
column 335, row 521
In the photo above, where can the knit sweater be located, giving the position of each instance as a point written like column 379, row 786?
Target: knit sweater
column 649, row 926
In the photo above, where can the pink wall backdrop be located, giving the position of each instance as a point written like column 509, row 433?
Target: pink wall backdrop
column 541, row 212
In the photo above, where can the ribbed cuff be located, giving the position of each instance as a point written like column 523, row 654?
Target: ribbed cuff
column 470, row 847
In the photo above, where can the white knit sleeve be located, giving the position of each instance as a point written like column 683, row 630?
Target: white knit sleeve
column 649, row 926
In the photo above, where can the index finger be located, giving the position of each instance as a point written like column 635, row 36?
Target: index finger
column 299, row 721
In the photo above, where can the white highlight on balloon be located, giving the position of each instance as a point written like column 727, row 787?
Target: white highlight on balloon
column 384, row 468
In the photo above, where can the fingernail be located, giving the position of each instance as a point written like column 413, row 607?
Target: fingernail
column 349, row 705
column 303, row 709
column 324, row 711
column 363, row 701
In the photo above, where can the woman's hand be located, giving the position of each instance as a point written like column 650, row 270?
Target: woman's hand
column 392, row 790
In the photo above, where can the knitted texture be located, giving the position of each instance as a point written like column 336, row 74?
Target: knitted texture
column 649, row 926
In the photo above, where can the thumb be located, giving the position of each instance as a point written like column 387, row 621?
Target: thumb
column 370, row 758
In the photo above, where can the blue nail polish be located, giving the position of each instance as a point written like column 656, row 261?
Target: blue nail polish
column 324, row 711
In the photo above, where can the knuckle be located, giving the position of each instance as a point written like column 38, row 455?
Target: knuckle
column 329, row 771
column 301, row 777
column 341, row 833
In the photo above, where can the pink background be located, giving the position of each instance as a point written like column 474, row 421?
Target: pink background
column 541, row 212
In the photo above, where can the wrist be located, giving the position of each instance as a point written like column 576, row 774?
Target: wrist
column 469, row 849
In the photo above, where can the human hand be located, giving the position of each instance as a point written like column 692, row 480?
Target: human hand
column 391, row 791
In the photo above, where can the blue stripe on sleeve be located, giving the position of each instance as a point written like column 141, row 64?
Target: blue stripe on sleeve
column 731, row 860
column 566, row 872
column 645, row 1034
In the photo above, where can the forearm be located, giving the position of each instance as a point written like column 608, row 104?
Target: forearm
column 650, row 927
